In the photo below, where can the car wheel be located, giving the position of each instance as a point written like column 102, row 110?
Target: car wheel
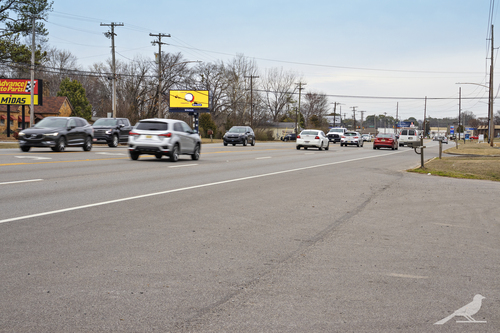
column 134, row 155
column 298, row 147
column 245, row 142
column 305, row 148
column 362, row 143
column 253, row 142
column 225, row 143
column 114, row 141
column 196, row 154
column 87, row 146
column 327, row 146
column 60, row 145
column 25, row 149
column 174, row 153
column 357, row 144
column 374, row 147
column 320, row 146
column 234, row 144
column 159, row 156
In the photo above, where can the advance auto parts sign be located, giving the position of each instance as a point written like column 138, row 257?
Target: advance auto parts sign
column 18, row 92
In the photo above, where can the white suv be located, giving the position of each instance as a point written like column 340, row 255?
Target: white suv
column 163, row 137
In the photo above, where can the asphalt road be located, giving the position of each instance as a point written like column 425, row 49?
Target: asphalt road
column 247, row 239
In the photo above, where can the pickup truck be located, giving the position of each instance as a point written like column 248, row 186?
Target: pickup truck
column 335, row 134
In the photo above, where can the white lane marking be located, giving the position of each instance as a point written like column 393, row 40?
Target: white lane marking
column 104, row 153
column 262, row 158
column 408, row 276
column 22, row 181
column 182, row 166
column 34, row 157
column 191, row 188
column 309, row 153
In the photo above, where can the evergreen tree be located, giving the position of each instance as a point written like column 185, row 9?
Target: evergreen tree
column 74, row 91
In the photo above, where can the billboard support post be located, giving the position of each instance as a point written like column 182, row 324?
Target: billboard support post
column 8, row 120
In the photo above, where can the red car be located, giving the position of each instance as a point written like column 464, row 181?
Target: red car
column 474, row 137
column 385, row 140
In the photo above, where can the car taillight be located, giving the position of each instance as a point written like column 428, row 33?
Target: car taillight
column 133, row 134
column 316, row 138
column 298, row 136
column 356, row 137
column 166, row 135
column 343, row 137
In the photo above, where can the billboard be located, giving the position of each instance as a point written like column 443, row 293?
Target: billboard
column 18, row 91
column 189, row 100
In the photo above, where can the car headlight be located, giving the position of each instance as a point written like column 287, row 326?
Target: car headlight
column 109, row 131
column 21, row 134
column 52, row 134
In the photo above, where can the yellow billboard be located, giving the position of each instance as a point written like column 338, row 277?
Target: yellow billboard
column 17, row 99
column 189, row 99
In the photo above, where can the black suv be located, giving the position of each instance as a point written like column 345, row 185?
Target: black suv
column 111, row 131
column 289, row 137
column 57, row 133
column 239, row 135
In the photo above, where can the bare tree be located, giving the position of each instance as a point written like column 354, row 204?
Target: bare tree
column 315, row 107
column 278, row 86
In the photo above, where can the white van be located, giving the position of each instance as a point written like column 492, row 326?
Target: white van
column 407, row 135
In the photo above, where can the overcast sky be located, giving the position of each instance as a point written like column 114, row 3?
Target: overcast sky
column 372, row 55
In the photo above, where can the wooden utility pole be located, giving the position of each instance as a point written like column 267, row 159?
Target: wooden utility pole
column 160, row 43
column 112, row 36
column 251, row 77
column 354, row 116
column 300, row 84
column 491, row 125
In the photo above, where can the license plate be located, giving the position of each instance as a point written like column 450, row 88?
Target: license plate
column 382, row 140
column 149, row 136
column 306, row 141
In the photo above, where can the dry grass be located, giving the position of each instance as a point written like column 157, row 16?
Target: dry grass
column 487, row 168
column 474, row 148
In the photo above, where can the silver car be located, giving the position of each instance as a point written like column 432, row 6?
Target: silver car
column 312, row 138
column 161, row 137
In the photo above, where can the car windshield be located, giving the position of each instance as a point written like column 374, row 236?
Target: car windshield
column 51, row 123
column 237, row 130
column 336, row 130
column 382, row 135
column 351, row 134
column 309, row 133
column 152, row 126
column 105, row 122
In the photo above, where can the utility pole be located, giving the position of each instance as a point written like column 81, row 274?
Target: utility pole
column 251, row 77
column 459, row 110
column 362, row 113
column 397, row 120
column 354, row 116
column 385, row 119
column 491, row 125
column 32, row 70
column 335, row 113
column 160, row 43
column 112, row 36
column 300, row 84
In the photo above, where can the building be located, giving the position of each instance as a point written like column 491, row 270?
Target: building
column 52, row 107
column 485, row 129
column 438, row 131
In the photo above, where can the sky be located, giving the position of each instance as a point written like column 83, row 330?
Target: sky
column 379, row 57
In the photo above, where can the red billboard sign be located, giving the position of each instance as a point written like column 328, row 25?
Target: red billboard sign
column 18, row 91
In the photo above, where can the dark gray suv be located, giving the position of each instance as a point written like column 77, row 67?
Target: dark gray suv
column 111, row 131
column 57, row 133
column 239, row 135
